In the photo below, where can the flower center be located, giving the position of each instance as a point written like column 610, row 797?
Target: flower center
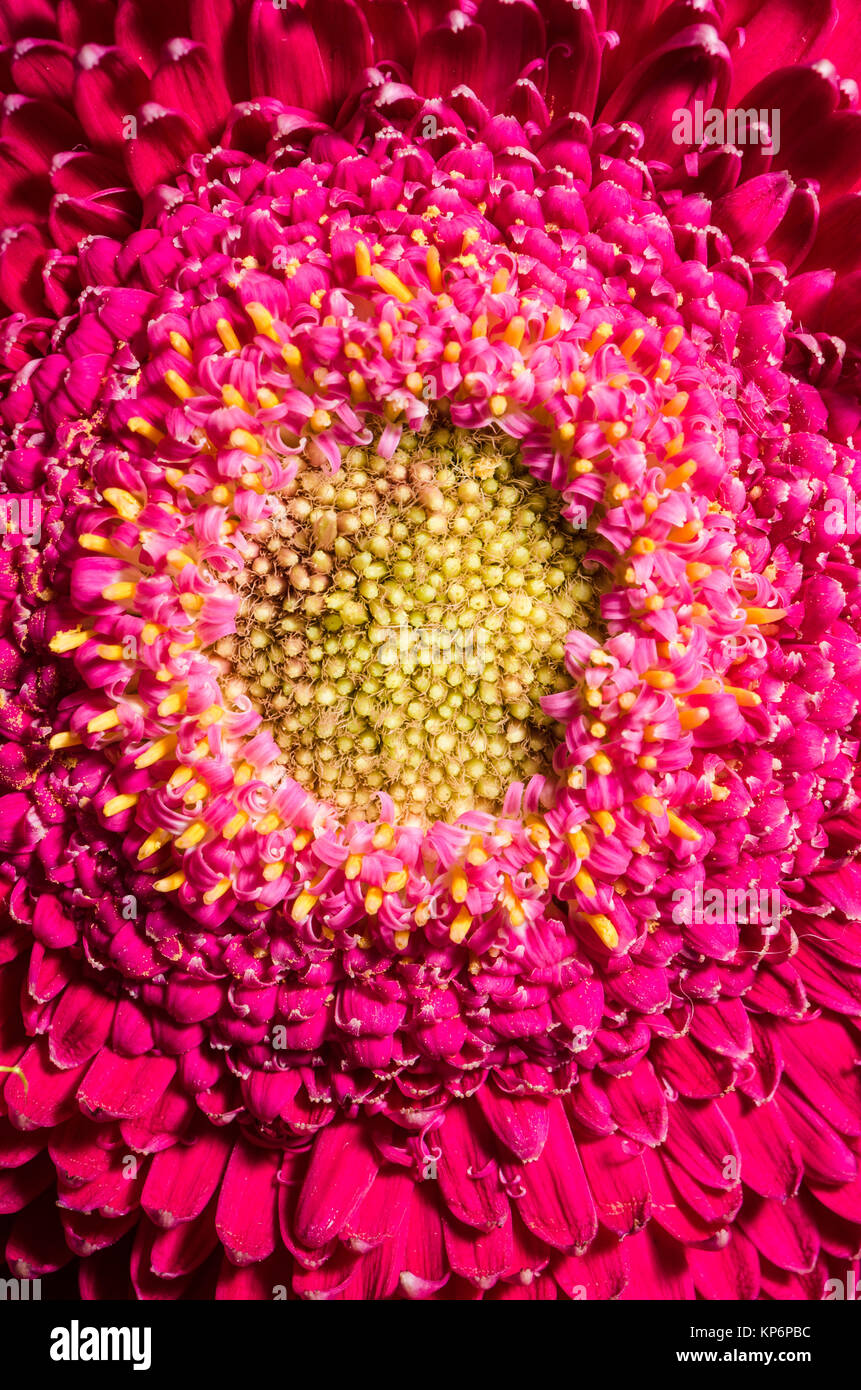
column 403, row 618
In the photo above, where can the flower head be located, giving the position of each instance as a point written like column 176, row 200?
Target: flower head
column 431, row 689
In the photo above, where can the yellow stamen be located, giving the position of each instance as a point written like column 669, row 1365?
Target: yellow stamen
column 101, row 722
column 233, row 826
column 171, row 883
column 117, row 804
column 160, row 749
column 227, row 334
column 117, row 593
column 604, row 929
column 673, row 338
column 353, row 866
column 756, row 616
column 434, row 269
column 363, row 260
column 681, row 828
column 659, row 680
column 192, row 835
column 178, row 384
column 70, row 639
column 262, row 320
column 632, row 342
column 213, row 894
column 66, row 739
column 172, row 704
column 269, row 823
column 514, row 332
column 273, row 871
column 373, row 900
column 460, row 926
column 138, row 425
column 153, row 843
column 181, row 345
column 680, row 475
column 248, row 443
column 605, row 821
column 123, row 502
column 599, row 338
column 585, row 883
column 389, row 282
column 99, row 545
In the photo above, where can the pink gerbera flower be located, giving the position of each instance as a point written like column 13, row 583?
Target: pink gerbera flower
column 430, row 649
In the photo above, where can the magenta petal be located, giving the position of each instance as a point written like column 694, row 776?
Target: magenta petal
column 246, row 1218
